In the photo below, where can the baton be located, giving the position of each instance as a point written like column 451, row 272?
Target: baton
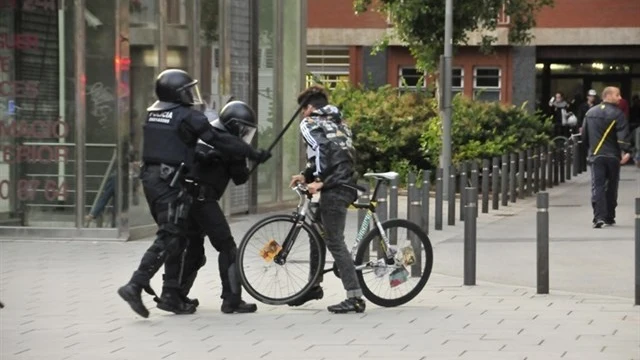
column 273, row 144
column 176, row 177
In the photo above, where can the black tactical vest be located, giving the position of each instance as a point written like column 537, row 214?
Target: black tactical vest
column 162, row 141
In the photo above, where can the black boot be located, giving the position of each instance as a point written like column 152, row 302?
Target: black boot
column 131, row 293
column 351, row 304
column 315, row 293
column 172, row 301
column 234, row 304
column 195, row 302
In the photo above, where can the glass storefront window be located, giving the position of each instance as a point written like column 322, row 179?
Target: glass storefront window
column 71, row 131
column 143, row 13
column 267, row 101
column 36, row 116
column 593, row 68
column 293, row 59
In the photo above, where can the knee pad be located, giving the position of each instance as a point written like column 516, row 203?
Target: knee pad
column 227, row 258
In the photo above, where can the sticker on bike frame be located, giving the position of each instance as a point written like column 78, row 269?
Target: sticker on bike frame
column 398, row 277
column 408, row 256
column 270, row 250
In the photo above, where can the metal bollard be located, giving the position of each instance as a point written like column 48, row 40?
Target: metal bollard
column 414, row 217
column 512, row 177
column 568, row 161
column 543, row 169
column 556, row 167
column 485, row 185
column 382, row 214
column 393, row 199
column 464, row 169
column 426, row 187
column 439, row 188
column 471, row 209
column 411, row 195
column 393, row 209
column 495, row 183
column 583, row 156
column 542, row 243
column 451, row 197
column 529, row 191
column 561, row 155
column 504, row 180
column 550, row 166
column 576, row 158
column 637, row 251
column 474, row 178
column 363, row 199
column 536, row 169
column 521, row 170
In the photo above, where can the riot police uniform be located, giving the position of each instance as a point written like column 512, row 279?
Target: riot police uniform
column 207, row 180
column 171, row 132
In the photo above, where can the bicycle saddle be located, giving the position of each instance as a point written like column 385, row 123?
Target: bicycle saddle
column 390, row 175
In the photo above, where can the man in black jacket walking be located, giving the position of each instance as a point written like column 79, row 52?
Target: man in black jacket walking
column 606, row 134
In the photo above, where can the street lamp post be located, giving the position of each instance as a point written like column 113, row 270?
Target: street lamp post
column 445, row 157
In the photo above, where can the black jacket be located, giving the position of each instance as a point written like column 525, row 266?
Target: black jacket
column 330, row 152
column 171, row 134
column 605, row 131
column 213, row 169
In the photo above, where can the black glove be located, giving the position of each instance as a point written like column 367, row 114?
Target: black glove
column 262, row 155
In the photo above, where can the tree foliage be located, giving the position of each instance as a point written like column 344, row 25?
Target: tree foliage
column 420, row 23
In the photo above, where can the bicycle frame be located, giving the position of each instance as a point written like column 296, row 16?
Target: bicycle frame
column 301, row 216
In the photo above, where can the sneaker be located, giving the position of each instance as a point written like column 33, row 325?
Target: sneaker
column 598, row 224
column 351, row 304
column 241, row 308
column 315, row 293
column 610, row 222
column 131, row 293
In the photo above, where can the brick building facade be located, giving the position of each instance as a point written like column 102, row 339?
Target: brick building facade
column 578, row 45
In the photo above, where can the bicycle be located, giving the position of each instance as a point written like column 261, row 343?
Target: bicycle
column 563, row 141
column 276, row 245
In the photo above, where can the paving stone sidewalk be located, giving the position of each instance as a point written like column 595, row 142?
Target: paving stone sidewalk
column 61, row 303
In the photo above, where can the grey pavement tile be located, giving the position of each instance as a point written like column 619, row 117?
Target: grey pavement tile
column 62, row 303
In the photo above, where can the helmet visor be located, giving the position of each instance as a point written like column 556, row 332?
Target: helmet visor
column 242, row 129
column 194, row 93
column 247, row 134
column 190, row 94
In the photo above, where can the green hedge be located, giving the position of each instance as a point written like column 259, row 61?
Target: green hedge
column 402, row 131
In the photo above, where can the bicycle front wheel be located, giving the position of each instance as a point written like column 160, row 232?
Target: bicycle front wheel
column 272, row 283
column 394, row 284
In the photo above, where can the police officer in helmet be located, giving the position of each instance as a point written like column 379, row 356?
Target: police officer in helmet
column 209, row 176
column 171, row 132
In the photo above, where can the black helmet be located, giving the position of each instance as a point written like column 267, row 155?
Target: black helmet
column 176, row 86
column 238, row 118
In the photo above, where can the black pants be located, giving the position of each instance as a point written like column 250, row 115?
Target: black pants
column 208, row 217
column 165, row 206
column 605, row 175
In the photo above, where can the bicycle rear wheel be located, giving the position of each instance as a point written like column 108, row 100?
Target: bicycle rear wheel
column 396, row 284
column 269, row 282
